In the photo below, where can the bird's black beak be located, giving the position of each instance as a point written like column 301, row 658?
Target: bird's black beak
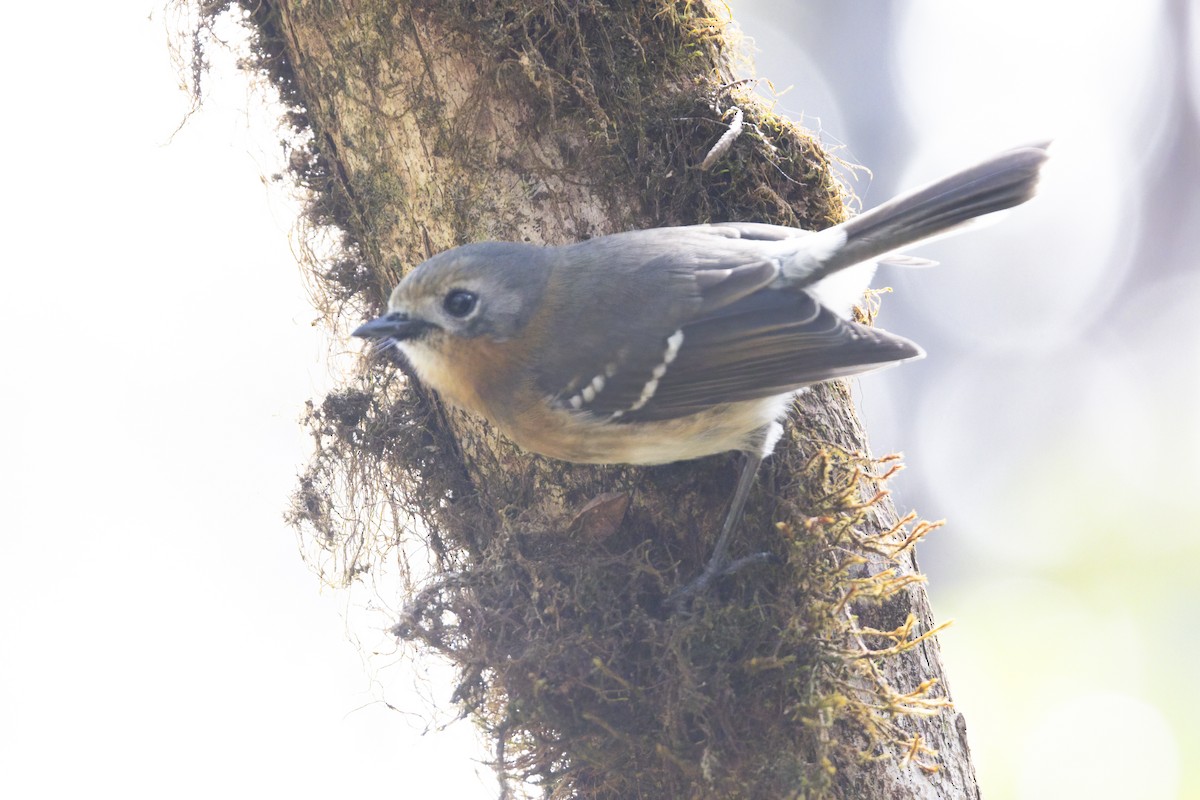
column 396, row 325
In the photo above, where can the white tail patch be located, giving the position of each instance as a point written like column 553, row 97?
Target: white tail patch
column 822, row 245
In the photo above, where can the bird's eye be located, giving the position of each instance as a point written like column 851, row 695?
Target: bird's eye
column 460, row 302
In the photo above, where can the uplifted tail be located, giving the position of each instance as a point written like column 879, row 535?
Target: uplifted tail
column 1000, row 182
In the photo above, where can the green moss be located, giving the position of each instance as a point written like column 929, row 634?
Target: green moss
column 570, row 656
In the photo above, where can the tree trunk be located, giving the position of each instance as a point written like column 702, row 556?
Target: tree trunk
column 439, row 123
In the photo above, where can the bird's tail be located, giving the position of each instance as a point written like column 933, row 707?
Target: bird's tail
column 1002, row 181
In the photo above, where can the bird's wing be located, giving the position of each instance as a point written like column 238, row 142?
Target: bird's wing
column 766, row 344
column 734, row 340
column 611, row 375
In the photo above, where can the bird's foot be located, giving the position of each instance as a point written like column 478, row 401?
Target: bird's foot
column 681, row 599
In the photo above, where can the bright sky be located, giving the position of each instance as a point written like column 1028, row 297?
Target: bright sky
column 159, row 635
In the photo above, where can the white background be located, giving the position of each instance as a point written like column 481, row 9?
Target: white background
column 159, row 635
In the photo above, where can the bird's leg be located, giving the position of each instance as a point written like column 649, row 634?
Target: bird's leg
column 719, row 564
column 741, row 494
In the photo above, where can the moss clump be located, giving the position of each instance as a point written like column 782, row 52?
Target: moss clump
column 569, row 656
column 572, row 661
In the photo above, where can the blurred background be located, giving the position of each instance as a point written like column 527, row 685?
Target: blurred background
column 1052, row 421
column 158, row 631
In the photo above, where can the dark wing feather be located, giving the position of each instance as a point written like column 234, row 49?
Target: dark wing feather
column 703, row 328
column 618, row 365
column 766, row 344
column 721, row 287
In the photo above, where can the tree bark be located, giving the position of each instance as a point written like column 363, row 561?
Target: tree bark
column 438, row 123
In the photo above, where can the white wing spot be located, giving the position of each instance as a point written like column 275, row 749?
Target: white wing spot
column 674, row 342
column 647, row 392
column 588, row 393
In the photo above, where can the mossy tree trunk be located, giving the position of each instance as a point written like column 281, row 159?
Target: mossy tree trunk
column 439, row 123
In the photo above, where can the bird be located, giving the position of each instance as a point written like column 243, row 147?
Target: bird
column 669, row 344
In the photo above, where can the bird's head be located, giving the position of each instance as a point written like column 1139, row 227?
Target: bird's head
column 490, row 290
